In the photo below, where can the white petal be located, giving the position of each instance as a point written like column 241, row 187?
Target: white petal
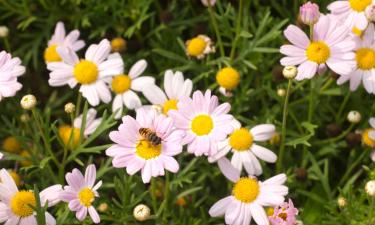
column 138, row 68
column 263, row 153
column 154, row 94
column 228, row 170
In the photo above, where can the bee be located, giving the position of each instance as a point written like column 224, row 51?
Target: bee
column 150, row 136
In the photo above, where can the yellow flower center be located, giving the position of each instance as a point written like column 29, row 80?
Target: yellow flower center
column 246, row 190
column 15, row 176
column 11, row 145
column 20, row 203
column 228, row 78
column 318, row 52
column 86, row 72
column 202, row 125
column 121, row 83
column 366, row 139
column 359, row 5
column 196, row 46
column 357, row 31
column 241, row 139
column 365, row 58
column 168, row 105
column 147, row 150
column 270, row 211
column 118, row 44
column 86, row 196
column 51, row 55
column 66, row 131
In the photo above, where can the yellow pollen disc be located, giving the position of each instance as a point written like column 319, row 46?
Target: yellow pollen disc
column 147, row 150
column 118, row 44
column 11, row 145
column 241, row 139
column 366, row 139
column 66, row 131
column 357, row 31
column 20, row 203
column 365, row 58
column 228, row 78
column 202, row 125
column 318, row 52
column 121, row 83
column 196, row 46
column 86, row 72
column 359, row 5
column 86, row 196
column 168, row 105
column 15, row 176
column 246, row 190
column 270, row 211
column 51, row 55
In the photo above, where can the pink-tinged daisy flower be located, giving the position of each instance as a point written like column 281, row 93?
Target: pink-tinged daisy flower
column 92, row 72
column 125, row 85
column 204, row 122
column 245, row 151
column 331, row 46
column 176, row 88
column 365, row 63
column 351, row 12
column 147, row 143
column 15, row 205
column 249, row 196
column 284, row 214
column 59, row 39
column 81, row 192
column 10, row 70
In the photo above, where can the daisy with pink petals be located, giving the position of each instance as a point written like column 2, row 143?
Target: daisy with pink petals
column 284, row 214
column 331, row 46
column 249, row 196
column 351, row 12
column 364, row 70
column 92, row 73
column 81, row 192
column 10, row 70
column 136, row 151
column 204, row 122
column 245, row 151
column 59, row 39
column 15, row 205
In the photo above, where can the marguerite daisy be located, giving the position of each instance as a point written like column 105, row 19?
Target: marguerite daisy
column 147, row 143
column 365, row 63
column 245, row 151
column 81, row 192
column 249, row 196
column 175, row 87
column 91, row 72
column 199, row 47
column 59, row 39
column 368, row 137
column 204, row 122
column 284, row 214
column 330, row 46
column 10, row 70
column 125, row 85
column 15, row 205
column 351, row 12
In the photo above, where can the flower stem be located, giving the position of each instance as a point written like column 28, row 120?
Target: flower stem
column 238, row 29
column 217, row 32
column 283, row 129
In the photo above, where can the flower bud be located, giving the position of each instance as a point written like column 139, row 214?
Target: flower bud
column 333, row 130
column 25, row 118
column 301, row 174
column 141, row 212
column 118, row 44
column 4, row 31
column 103, row 207
column 28, row 102
column 281, row 92
column 370, row 13
column 70, row 108
column 208, row 2
column 354, row 117
column 309, row 13
column 341, row 201
column 290, row 72
column 275, row 139
column 370, row 188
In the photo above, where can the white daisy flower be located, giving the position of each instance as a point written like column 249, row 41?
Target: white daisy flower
column 92, row 72
column 59, row 39
column 10, row 70
column 245, row 151
column 249, row 196
column 15, row 205
column 176, row 88
column 365, row 62
column 125, row 85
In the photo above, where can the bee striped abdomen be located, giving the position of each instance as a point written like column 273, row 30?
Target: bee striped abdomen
column 150, row 136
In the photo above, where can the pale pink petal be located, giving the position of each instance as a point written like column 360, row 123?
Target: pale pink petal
column 228, row 170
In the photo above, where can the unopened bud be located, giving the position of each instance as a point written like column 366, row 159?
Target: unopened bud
column 354, row 117
column 25, row 118
column 370, row 188
column 309, row 13
column 70, row 108
column 281, row 92
column 290, row 72
column 142, row 212
column 342, row 202
column 4, row 31
column 103, row 207
column 28, row 102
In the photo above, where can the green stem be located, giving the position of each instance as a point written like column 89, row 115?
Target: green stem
column 326, row 85
column 78, row 105
column 216, row 28
column 152, row 193
column 283, row 129
column 166, row 196
column 342, row 106
column 238, row 30
column 335, row 139
column 6, row 44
